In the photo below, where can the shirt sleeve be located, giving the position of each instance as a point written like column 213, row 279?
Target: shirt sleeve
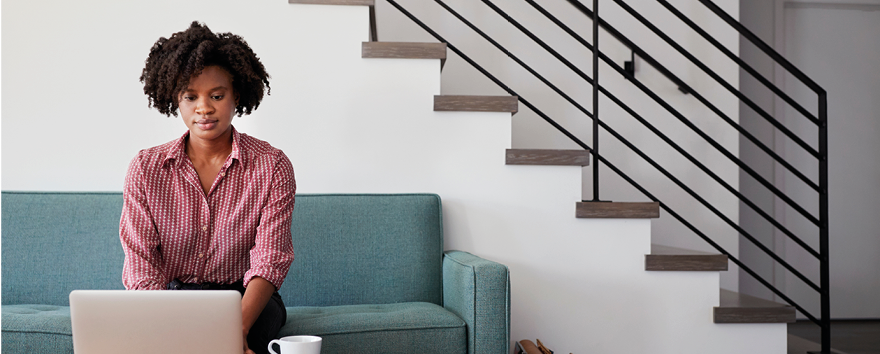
column 272, row 253
column 142, row 269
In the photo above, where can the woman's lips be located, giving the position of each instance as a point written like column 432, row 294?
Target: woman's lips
column 206, row 124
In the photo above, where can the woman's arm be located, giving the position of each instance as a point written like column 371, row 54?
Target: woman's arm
column 255, row 298
column 142, row 269
column 272, row 253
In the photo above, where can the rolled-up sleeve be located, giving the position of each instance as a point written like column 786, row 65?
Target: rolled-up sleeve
column 142, row 269
column 272, row 253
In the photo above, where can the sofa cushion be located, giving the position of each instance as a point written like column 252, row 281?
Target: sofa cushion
column 36, row 328
column 365, row 249
column 412, row 327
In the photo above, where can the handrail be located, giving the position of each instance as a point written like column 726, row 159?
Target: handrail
column 712, row 142
column 748, row 68
column 675, row 146
column 657, row 132
column 778, row 58
column 619, row 103
column 649, row 59
column 821, row 154
column 602, row 158
column 754, row 106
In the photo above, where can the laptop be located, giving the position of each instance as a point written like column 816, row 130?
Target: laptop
column 141, row 322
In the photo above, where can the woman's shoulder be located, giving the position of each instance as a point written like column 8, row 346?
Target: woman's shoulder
column 258, row 148
column 263, row 156
column 158, row 155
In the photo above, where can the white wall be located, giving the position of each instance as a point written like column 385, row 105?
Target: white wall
column 355, row 125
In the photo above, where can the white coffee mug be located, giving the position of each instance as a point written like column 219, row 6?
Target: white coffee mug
column 297, row 345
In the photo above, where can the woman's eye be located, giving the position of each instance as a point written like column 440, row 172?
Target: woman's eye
column 217, row 97
column 189, row 98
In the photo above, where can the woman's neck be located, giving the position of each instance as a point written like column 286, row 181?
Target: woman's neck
column 200, row 150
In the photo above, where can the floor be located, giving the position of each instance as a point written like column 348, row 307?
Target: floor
column 847, row 337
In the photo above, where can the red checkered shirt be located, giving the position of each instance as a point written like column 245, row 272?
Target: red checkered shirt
column 241, row 229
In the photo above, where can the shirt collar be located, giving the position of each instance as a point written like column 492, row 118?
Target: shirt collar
column 177, row 150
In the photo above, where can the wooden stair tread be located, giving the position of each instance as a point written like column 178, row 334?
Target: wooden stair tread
column 740, row 308
column 617, row 210
column 404, row 50
column 665, row 258
column 476, row 103
column 547, row 157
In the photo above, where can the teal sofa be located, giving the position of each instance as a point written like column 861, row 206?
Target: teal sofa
column 369, row 276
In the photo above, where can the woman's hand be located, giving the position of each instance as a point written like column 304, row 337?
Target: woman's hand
column 246, row 349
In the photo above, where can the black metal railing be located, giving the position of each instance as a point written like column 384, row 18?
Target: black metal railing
column 821, row 154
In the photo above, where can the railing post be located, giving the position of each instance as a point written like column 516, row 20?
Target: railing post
column 595, row 150
column 824, row 268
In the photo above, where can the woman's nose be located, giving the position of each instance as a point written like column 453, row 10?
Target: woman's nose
column 204, row 106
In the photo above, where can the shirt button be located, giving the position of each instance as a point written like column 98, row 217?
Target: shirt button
column 204, row 228
column 201, row 255
column 222, row 174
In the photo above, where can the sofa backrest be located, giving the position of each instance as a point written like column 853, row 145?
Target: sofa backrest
column 365, row 249
column 349, row 249
column 54, row 243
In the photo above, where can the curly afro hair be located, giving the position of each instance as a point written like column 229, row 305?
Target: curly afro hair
column 174, row 61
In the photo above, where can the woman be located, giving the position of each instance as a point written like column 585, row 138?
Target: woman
column 212, row 209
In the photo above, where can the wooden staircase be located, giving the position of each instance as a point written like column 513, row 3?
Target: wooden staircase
column 733, row 308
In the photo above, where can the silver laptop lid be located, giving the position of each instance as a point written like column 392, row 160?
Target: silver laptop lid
column 120, row 321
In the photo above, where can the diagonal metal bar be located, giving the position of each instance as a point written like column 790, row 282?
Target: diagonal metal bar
column 674, row 112
column 778, row 58
column 489, row 75
column 754, row 106
column 710, row 206
column 702, row 235
column 649, row 59
column 612, row 167
column 745, row 66
column 644, row 122
column 651, row 161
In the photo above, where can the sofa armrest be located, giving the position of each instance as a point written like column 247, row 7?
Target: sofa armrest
column 478, row 291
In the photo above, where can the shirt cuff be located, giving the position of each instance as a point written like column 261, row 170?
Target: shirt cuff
column 150, row 285
column 271, row 275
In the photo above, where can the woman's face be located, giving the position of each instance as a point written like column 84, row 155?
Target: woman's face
column 208, row 105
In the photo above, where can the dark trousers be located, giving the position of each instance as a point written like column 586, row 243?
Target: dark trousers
column 265, row 329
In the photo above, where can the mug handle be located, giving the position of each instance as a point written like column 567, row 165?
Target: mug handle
column 273, row 342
